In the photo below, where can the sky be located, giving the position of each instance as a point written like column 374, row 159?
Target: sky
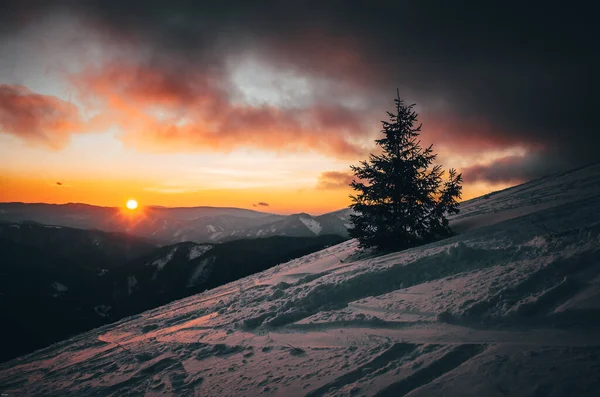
column 266, row 104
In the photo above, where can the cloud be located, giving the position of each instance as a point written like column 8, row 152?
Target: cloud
column 37, row 119
column 483, row 77
column 60, row 185
column 261, row 204
column 163, row 109
column 334, row 180
column 514, row 169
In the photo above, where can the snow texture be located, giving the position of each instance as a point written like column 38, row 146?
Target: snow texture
column 102, row 310
column 161, row 262
column 132, row 284
column 59, row 287
column 198, row 250
column 509, row 307
column 312, row 225
column 199, row 274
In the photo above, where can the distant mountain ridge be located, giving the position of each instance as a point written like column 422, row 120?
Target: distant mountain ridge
column 179, row 224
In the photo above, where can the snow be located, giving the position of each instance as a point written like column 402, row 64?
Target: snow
column 215, row 236
column 102, row 310
column 507, row 307
column 132, row 284
column 198, row 274
column 312, row 225
column 198, row 250
column 59, row 287
column 211, row 228
column 161, row 262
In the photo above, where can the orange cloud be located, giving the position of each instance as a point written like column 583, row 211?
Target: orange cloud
column 38, row 119
column 160, row 109
column 335, row 180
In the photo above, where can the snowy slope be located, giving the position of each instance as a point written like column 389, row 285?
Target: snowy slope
column 509, row 307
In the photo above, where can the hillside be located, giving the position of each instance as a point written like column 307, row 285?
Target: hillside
column 180, row 270
column 72, row 280
column 56, row 276
column 509, row 307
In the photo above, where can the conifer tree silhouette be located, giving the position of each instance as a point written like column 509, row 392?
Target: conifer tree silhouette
column 402, row 200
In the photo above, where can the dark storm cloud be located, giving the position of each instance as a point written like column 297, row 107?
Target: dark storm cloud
column 518, row 169
column 484, row 74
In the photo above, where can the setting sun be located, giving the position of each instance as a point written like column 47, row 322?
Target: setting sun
column 131, row 204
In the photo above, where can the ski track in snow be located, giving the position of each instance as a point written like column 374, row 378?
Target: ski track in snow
column 511, row 306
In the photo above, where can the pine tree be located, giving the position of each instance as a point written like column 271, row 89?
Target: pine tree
column 402, row 200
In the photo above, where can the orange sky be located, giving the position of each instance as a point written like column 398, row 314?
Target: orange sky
column 83, row 119
column 115, row 192
column 111, row 164
column 103, row 163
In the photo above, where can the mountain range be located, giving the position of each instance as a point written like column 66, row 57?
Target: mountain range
column 173, row 225
column 57, row 281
